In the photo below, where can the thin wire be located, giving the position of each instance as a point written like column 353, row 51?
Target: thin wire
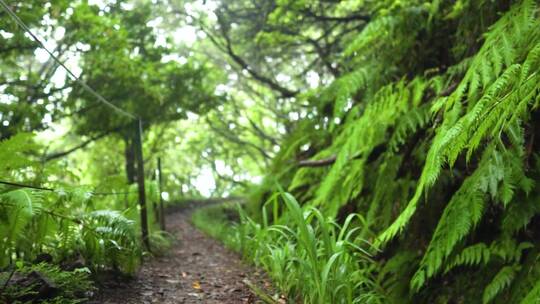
column 77, row 79
column 112, row 193
column 18, row 185
column 25, row 186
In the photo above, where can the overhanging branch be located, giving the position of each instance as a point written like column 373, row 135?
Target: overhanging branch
column 318, row 162
column 61, row 154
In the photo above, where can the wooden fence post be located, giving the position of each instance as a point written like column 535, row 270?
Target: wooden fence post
column 140, row 181
column 155, row 203
column 161, row 209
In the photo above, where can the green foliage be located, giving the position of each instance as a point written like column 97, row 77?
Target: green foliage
column 466, row 208
column 507, row 99
column 126, row 65
column 33, row 223
column 533, row 296
column 112, row 240
column 27, row 95
column 471, row 256
column 73, row 286
column 69, row 224
column 502, row 280
column 360, row 137
column 215, row 221
column 14, row 152
column 310, row 256
column 431, row 123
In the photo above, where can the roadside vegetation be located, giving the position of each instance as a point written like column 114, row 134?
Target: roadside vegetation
column 415, row 168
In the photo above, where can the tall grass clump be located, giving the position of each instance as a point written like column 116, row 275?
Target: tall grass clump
column 310, row 257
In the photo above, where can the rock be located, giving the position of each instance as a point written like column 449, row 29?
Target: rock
column 43, row 258
column 40, row 286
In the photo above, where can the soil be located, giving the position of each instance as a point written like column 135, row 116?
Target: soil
column 197, row 269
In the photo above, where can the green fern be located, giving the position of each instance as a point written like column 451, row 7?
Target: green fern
column 488, row 114
column 360, row 136
column 61, row 222
column 110, row 239
column 533, row 297
column 501, row 281
column 471, row 256
column 432, row 125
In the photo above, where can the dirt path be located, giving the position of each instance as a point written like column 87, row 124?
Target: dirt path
column 197, row 270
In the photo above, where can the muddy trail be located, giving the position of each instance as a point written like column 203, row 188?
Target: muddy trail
column 196, row 269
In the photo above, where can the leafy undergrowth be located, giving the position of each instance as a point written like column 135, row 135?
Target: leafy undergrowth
column 45, row 283
column 441, row 159
column 64, row 225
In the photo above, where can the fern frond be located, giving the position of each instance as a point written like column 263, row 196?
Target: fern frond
column 361, row 135
column 20, row 206
column 491, row 111
column 462, row 213
column 533, row 297
column 470, row 256
column 110, row 239
column 519, row 215
column 501, row 281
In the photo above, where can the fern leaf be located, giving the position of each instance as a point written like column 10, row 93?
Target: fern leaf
column 533, row 297
column 501, row 281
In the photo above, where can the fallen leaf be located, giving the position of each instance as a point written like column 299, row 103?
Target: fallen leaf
column 196, row 285
column 194, row 295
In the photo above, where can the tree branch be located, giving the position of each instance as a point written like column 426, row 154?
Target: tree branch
column 317, row 163
column 357, row 17
column 237, row 140
column 285, row 92
column 60, row 154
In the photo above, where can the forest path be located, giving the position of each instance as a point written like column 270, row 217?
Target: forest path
column 196, row 269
